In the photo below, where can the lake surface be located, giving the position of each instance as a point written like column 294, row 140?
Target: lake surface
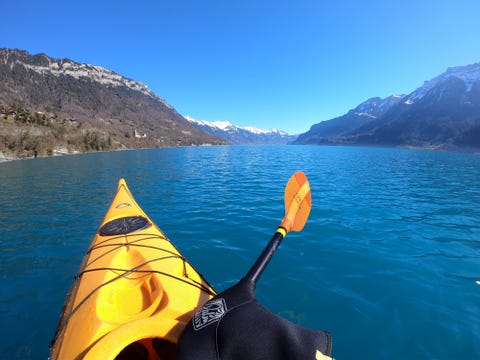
column 388, row 261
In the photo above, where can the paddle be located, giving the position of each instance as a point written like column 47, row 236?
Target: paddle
column 233, row 325
column 298, row 202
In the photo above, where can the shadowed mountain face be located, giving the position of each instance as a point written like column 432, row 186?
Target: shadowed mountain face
column 443, row 113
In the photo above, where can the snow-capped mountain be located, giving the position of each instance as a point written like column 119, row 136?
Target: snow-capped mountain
column 469, row 75
column 443, row 113
column 242, row 135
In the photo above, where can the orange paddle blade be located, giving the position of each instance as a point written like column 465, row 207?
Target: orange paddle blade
column 298, row 202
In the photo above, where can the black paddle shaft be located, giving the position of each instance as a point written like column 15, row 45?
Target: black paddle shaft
column 259, row 266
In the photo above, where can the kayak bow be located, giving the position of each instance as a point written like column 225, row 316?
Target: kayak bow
column 133, row 294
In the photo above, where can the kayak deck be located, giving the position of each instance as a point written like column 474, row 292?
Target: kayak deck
column 134, row 292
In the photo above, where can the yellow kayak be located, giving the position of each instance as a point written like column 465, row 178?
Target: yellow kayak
column 133, row 294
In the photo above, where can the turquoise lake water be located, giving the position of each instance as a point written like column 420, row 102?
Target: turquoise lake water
column 388, row 261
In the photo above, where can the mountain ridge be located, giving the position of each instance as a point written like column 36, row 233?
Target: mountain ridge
column 443, row 113
column 117, row 111
column 362, row 114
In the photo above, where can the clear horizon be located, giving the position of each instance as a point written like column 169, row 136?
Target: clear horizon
column 267, row 64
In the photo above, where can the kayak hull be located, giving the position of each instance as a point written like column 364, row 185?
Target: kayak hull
column 133, row 294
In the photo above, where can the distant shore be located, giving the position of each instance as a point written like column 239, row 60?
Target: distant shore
column 64, row 152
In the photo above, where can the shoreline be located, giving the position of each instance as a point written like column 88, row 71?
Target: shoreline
column 5, row 158
column 10, row 157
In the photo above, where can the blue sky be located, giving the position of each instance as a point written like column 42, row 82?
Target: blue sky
column 270, row 64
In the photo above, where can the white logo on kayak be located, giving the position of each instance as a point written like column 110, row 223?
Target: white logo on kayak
column 211, row 312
